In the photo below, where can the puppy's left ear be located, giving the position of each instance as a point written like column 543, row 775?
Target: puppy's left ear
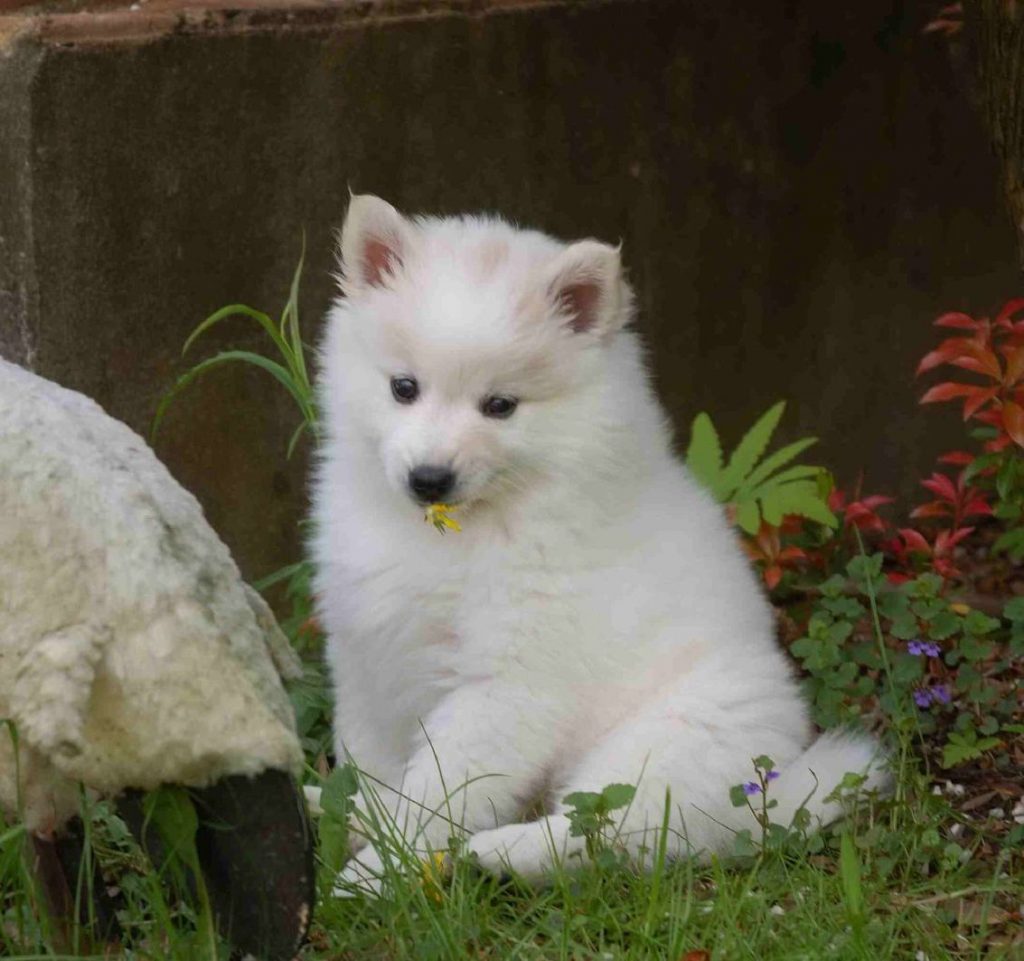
column 586, row 288
column 375, row 242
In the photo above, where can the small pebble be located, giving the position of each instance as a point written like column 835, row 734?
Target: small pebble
column 956, row 830
column 777, row 909
column 997, row 813
column 921, row 956
column 957, row 790
column 1018, row 812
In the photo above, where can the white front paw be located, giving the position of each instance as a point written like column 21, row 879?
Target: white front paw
column 493, row 849
column 363, row 874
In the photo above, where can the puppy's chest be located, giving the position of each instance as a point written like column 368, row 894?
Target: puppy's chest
column 471, row 608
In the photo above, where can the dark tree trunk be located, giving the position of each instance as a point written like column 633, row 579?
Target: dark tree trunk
column 995, row 34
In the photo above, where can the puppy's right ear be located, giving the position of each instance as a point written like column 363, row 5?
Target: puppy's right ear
column 374, row 243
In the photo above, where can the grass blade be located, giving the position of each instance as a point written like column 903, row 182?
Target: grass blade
column 282, row 375
column 291, row 316
column 234, row 310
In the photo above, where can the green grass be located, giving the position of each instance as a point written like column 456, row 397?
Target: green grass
column 889, row 882
column 774, row 909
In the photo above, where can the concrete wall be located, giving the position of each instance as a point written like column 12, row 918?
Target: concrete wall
column 800, row 187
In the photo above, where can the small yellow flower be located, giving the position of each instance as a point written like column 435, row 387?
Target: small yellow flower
column 440, row 516
column 961, row 609
column 434, row 872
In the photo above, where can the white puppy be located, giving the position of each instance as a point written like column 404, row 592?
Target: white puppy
column 595, row 620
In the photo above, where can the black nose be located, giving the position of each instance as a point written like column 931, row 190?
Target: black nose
column 431, row 484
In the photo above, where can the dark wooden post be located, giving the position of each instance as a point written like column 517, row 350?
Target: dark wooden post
column 995, row 34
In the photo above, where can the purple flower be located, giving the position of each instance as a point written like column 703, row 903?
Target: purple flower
column 916, row 648
column 771, row 775
column 927, row 648
column 922, row 697
column 941, row 694
column 932, row 649
column 751, row 788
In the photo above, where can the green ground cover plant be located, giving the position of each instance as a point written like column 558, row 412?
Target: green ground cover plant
column 914, row 631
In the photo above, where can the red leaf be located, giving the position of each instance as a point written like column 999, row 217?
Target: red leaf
column 949, row 351
column 997, row 445
column 1013, row 421
column 957, row 319
column 941, row 485
column 863, row 518
column 973, row 364
column 945, row 567
column 945, row 541
column 877, row 500
column 971, row 353
column 896, row 578
column 959, row 458
column 1014, row 365
column 935, row 358
column 931, row 509
column 772, row 576
column 988, row 362
column 791, row 554
column 1010, row 308
column 977, row 505
column 947, row 391
column 836, row 499
column 991, row 416
column 914, row 541
column 972, row 404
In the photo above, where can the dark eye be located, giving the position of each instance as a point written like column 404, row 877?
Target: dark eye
column 499, row 407
column 404, row 389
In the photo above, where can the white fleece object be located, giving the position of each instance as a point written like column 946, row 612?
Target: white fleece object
column 131, row 652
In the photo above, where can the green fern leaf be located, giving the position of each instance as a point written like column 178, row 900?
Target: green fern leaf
column 748, row 516
column 751, row 447
column 797, row 497
column 704, row 456
column 775, row 461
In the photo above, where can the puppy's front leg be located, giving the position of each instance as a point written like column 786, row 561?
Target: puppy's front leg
column 482, row 750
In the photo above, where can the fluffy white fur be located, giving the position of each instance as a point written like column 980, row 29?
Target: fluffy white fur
column 131, row 652
column 595, row 621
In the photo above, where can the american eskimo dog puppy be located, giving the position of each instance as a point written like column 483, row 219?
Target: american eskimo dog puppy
column 594, row 621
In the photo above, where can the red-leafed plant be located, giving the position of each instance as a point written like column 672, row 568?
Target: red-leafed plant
column 955, row 501
column 767, row 550
column 993, row 350
column 861, row 512
column 797, row 543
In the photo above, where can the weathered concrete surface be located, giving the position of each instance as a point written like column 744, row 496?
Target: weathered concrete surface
column 800, row 188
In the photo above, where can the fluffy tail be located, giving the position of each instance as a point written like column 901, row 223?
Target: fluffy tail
column 815, row 775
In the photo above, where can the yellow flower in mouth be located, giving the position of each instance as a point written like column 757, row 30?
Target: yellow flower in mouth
column 440, row 516
column 434, row 872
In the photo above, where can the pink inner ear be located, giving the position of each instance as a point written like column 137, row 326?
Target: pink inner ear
column 379, row 260
column 580, row 302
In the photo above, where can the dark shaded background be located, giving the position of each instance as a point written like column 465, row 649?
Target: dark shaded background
column 800, row 188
